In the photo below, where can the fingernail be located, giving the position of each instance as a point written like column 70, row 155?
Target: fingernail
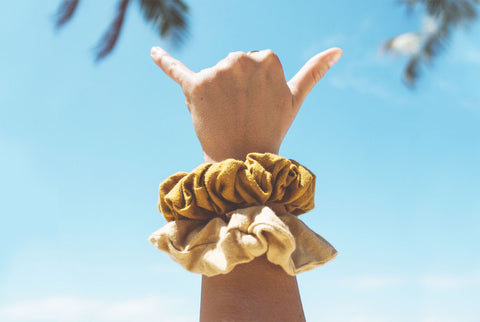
column 156, row 51
column 334, row 58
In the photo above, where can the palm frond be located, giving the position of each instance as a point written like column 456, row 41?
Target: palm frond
column 109, row 39
column 169, row 18
column 436, row 42
column 436, row 7
column 450, row 15
column 412, row 72
column 65, row 12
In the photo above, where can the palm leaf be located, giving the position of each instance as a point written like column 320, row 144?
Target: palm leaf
column 450, row 14
column 65, row 12
column 109, row 39
column 412, row 71
column 169, row 18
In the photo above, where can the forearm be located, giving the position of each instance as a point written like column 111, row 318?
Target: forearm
column 244, row 104
column 256, row 291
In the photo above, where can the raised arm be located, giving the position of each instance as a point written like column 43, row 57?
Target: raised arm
column 241, row 105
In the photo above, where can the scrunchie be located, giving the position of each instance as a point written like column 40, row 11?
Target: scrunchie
column 214, row 189
column 218, row 246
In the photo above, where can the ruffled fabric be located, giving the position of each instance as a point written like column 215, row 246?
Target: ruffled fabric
column 214, row 189
column 217, row 246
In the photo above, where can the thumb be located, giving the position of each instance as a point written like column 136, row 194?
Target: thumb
column 302, row 83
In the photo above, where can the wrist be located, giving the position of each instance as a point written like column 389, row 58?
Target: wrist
column 255, row 291
column 240, row 154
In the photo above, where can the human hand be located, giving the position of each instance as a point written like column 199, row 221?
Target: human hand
column 244, row 104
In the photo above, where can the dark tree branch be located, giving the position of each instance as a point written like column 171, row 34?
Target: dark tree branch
column 109, row 39
column 450, row 14
column 65, row 12
column 169, row 18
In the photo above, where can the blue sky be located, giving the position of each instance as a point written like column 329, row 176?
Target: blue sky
column 83, row 147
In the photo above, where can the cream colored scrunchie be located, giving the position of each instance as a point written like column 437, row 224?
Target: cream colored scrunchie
column 217, row 246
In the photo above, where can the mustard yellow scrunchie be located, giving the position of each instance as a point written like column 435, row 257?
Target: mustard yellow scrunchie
column 214, row 189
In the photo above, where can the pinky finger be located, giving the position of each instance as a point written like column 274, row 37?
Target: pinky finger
column 174, row 68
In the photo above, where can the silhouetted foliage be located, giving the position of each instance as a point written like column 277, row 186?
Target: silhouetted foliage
column 109, row 39
column 447, row 15
column 65, row 12
column 169, row 18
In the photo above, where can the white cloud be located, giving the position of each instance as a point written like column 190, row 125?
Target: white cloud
column 448, row 282
column 365, row 318
column 359, row 84
column 60, row 308
column 72, row 309
column 332, row 40
column 374, row 282
column 464, row 50
column 470, row 104
column 446, row 86
column 450, row 317
column 338, row 39
column 165, row 268
column 430, row 281
column 437, row 319
column 471, row 55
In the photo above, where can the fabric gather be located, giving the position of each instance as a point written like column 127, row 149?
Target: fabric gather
column 214, row 189
column 217, row 246
column 218, row 216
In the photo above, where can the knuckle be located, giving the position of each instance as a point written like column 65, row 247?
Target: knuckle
column 236, row 56
column 171, row 67
column 195, row 87
column 238, row 60
column 317, row 74
column 271, row 56
column 219, row 73
column 234, row 53
column 269, row 53
column 162, row 62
